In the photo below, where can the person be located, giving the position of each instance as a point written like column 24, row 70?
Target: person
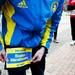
column 55, row 33
column 27, row 25
column 55, row 36
column 71, row 8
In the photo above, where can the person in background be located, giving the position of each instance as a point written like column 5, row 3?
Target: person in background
column 71, row 8
column 55, row 33
column 55, row 36
column 28, row 25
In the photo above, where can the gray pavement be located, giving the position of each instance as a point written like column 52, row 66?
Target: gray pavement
column 61, row 57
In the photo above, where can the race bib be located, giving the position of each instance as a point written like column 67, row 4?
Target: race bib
column 18, row 57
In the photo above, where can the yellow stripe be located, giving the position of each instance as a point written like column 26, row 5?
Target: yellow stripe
column 47, row 33
column 18, row 50
column 18, row 64
column 8, row 12
column 1, row 40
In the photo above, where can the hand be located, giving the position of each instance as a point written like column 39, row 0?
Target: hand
column 3, row 56
column 38, row 55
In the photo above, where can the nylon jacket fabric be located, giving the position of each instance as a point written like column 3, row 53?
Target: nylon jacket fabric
column 29, row 23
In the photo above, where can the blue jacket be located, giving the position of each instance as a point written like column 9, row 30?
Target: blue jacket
column 29, row 23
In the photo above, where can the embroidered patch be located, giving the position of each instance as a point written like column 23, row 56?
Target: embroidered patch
column 54, row 6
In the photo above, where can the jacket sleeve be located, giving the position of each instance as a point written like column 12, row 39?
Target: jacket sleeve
column 51, row 26
column 1, row 42
column 1, row 39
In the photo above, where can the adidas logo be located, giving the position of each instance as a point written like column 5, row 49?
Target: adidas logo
column 22, row 4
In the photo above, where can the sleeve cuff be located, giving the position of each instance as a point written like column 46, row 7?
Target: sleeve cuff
column 46, row 50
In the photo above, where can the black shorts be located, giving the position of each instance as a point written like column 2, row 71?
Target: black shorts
column 36, row 69
column 69, row 7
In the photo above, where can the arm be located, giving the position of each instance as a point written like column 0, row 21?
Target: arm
column 2, row 51
column 1, row 39
column 51, row 26
column 1, row 42
column 47, row 38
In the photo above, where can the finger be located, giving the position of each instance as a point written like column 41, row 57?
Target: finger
column 36, row 60
column 4, row 55
column 1, row 59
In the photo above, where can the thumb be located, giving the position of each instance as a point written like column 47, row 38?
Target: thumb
column 34, row 57
column 3, row 54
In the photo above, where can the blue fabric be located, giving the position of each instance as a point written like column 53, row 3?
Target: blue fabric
column 55, row 21
column 1, row 46
column 31, row 17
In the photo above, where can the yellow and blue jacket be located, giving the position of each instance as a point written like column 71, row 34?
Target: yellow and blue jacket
column 29, row 23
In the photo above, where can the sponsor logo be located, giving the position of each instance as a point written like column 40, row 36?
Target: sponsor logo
column 22, row 4
column 54, row 6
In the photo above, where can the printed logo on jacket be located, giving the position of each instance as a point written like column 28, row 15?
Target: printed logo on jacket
column 22, row 4
column 54, row 6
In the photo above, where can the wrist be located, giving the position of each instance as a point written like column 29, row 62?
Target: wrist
column 46, row 50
